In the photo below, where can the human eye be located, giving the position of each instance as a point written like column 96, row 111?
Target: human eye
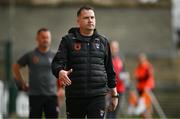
column 92, row 17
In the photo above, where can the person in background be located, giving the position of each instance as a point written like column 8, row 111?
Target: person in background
column 144, row 75
column 42, row 87
column 83, row 63
column 60, row 93
column 118, row 68
column 61, row 99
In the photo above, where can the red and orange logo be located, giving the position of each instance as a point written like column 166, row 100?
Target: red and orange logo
column 35, row 59
column 77, row 46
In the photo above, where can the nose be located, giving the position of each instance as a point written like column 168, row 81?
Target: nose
column 90, row 19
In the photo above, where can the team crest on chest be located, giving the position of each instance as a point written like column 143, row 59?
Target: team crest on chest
column 77, row 46
column 35, row 59
column 97, row 43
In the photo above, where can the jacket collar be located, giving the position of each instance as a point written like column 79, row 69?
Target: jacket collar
column 77, row 36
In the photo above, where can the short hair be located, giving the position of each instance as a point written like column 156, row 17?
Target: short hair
column 86, row 7
column 42, row 30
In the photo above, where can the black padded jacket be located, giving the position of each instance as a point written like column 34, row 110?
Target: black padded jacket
column 91, row 62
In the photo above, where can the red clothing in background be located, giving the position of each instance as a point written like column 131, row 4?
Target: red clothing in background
column 144, row 76
column 118, row 68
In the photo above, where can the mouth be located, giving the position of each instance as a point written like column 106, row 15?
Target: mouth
column 91, row 25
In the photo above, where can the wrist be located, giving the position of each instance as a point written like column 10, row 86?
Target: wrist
column 115, row 96
column 113, row 91
column 60, row 73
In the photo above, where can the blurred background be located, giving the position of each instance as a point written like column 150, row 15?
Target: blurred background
column 149, row 26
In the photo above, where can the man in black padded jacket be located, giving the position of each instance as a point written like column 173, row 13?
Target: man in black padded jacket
column 83, row 64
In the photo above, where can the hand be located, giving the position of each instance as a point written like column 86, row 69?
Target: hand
column 21, row 85
column 25, row 87
column 113, row 104
column 63, row 76
column 113, row 100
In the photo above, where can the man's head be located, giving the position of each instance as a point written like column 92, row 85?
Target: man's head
column 114, row 45
column 142, row 58
column 86, row 18
column 43, row 38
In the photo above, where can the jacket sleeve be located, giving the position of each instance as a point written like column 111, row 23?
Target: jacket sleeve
column 109, row 68
column 60, row 58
